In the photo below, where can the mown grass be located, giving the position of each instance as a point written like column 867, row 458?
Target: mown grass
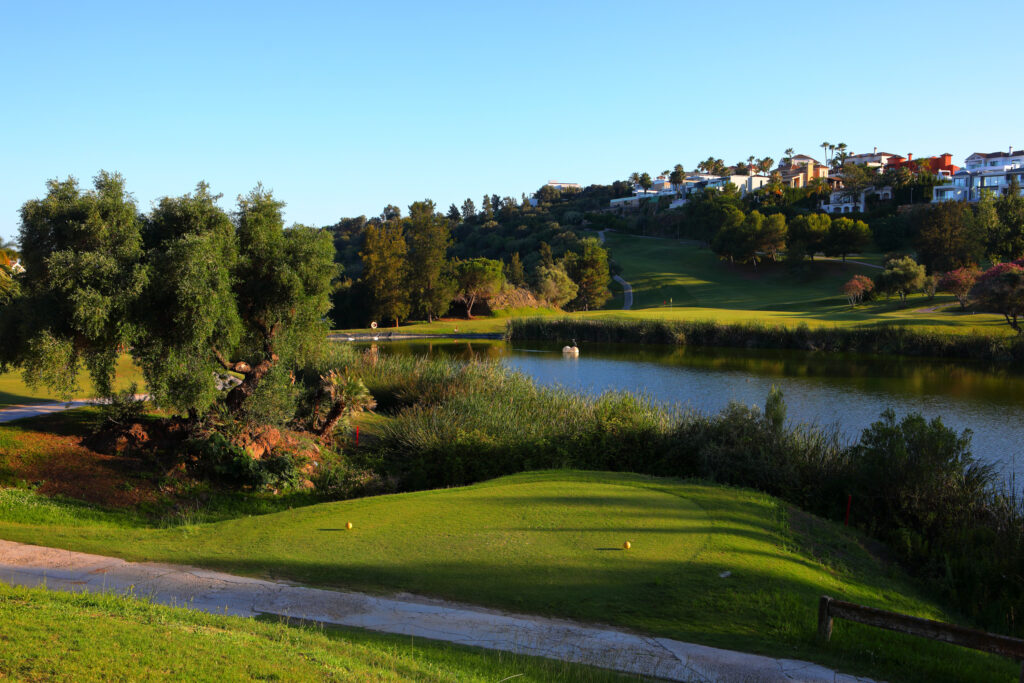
column 46, row 635
column 14, row 391
column 551, row 543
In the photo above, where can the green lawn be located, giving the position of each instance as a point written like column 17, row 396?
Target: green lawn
column 79, row 637
column 13, row 389
column 551, row 543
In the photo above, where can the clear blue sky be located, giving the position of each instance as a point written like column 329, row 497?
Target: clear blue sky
column 342, row 108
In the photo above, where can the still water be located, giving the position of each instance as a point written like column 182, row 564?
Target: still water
column 847, row 391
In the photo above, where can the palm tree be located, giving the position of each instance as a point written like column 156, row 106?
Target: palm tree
column 824, row 146
column 765, row 165
column 750, row 164
column 634, row 179
column 788, row 159
column 677, row 176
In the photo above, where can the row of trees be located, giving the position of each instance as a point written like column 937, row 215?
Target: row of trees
column 999, row 289
column 188, row 289
column 410, row 266
column 951, row 235
column 746, row 237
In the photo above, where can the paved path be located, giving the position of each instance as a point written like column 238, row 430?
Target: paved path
column 214, row 592
column 627, row 289
column 627, row 293
column 20, row 412
column 849, row 260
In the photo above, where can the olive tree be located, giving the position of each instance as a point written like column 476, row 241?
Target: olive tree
column 188, row 291
column 84, row 272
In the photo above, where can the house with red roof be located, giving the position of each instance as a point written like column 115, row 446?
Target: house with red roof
column 941, row 165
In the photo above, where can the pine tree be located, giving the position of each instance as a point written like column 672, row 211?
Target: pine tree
column 384, row 270
column 514, row 270
column 429, row 239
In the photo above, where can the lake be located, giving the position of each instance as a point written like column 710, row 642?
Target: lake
column 845, row 390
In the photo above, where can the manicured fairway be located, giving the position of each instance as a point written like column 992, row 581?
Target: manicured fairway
column 59, row 636
column 708, row 564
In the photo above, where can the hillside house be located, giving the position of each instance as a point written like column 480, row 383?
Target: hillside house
column 941, row 165
column 801, row 170
column 845, row 202
column 875, row 159
column 983, row 172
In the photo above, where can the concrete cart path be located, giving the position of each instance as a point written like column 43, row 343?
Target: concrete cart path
column 20, row 412
column 627, row 293
column 627, row 289
column 215, row 592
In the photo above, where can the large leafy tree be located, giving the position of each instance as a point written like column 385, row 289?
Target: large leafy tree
column 807, row 233
column 385, row 268
column 590, row 272
column 949, row 237
column 246, row 295
column 901, row 276
column 773, row 235
column 429, row 238
column 959, row 283
column 282, row 283
column 189, row 303
column 186, row 290
column 83, row 255
column 477, row 279
column 1001, row 289
column 554, row 286
column 846, row 236
column 1008, row 242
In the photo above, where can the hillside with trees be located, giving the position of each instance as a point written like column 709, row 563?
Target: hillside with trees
column 428, row 263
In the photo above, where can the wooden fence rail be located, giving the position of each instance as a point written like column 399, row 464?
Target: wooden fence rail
column 829, row 609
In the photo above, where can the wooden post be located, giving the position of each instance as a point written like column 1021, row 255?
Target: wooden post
column 825, row 619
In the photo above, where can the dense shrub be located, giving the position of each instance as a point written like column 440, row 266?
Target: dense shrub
column 220, row 460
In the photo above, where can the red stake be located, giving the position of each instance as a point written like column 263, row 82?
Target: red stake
column 849, row 499
column 357, row 443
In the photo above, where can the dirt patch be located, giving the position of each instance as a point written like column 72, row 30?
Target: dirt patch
column 61, row 465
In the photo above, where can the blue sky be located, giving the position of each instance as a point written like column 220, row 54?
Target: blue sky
column 342, row 108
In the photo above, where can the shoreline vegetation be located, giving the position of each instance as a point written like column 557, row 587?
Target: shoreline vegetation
column 887, row 339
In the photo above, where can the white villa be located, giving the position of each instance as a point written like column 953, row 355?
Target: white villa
column 564, row 186
column 844, row 202
column 694, row 181
column 983, row 172
column 875, row 159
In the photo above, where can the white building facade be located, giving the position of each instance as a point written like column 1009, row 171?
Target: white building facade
column 992, row 173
